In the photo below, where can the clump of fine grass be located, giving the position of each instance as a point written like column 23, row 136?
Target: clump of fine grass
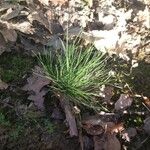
column 77, row 73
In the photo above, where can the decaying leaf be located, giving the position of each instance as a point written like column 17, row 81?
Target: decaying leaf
column 106, row 142
column 147, row 125
column 123, row 102
column 2, row 44
column 35, row 85
column 57, row 114
column 96, row 125
column 94, row 130
column 3, row 85
column 112, row 143
column 12, row 12
column 9, row 35
column 129, row 133
column 70, row 117
column 107, row 93
column 40, row 17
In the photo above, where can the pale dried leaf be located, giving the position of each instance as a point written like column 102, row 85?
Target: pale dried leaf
column 12, row 13
column 40, row 17
column 3, row 85
column 24, row 27
column 56, row 2
column 123, row 102
column 44, row 2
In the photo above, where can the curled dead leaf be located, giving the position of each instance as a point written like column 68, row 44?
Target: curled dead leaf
column 123, row 102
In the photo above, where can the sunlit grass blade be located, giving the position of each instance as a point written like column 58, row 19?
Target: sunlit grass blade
column 77, row 72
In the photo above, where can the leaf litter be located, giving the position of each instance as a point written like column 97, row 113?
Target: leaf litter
column 35, row 83
column 118, row 31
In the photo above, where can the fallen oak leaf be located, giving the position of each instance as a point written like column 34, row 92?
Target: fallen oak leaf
column 35, row 84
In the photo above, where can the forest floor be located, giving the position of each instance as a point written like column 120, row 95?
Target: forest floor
column 31, row 117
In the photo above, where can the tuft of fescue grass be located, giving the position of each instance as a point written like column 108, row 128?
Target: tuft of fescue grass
column 77, row 72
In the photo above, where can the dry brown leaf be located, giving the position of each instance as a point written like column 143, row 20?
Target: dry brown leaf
column 12, row 12
column 70, row 117
column 93, row 130
column 40, row 17
column 117, row 128
column 3, row 85
column 35, row 85
column 123, row 102
column 99, row 142
column 2, row 44
column 106, row 142
column 112, row 143
column 24, row 27
column 107, row 93
column 147, row 101
column 147, row 125
column 9, row 35
column 129, row 133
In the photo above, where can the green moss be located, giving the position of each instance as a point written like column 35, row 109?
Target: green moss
column 49, row 126
column 3, row 120
column 17, row 132
column 14, row 66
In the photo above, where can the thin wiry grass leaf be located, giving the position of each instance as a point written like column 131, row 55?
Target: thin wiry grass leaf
column 77, row 72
